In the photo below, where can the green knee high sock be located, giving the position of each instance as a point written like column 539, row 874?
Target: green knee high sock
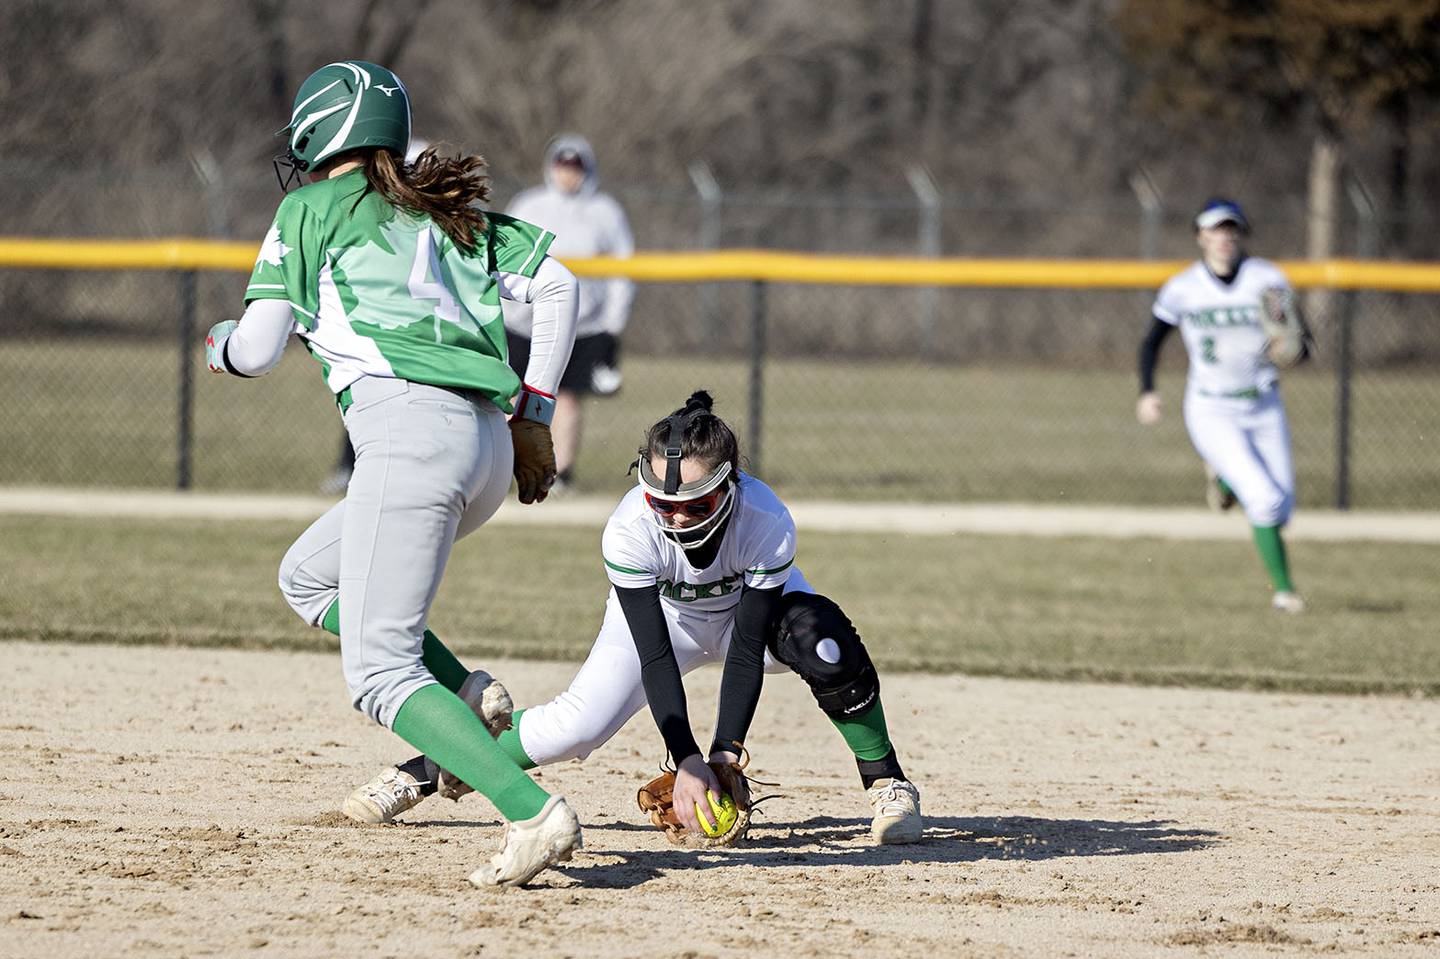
column 509, row 741
column 1272, row 554
column 866, row 734
column 437, row 657
column 437, row 723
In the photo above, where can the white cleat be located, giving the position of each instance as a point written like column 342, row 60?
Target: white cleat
column 897, row 812
column 384, row 797
column 492, row 703
column 1217, row 497
column 1283, row 602
column 532, row 845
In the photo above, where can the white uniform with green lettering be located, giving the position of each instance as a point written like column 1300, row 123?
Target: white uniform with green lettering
column 408, row 331
column 758, row 550
column 1233, row 409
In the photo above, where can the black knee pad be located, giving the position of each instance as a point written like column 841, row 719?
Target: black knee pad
column 815, row 638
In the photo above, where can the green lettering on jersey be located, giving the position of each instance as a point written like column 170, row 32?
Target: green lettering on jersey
column 1222, row 316
column 690, row 592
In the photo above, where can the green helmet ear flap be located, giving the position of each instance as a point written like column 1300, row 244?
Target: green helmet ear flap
column 345, row 106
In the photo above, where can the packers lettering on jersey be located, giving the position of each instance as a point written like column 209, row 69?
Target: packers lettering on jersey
column 1226, row 316
column 690, row 592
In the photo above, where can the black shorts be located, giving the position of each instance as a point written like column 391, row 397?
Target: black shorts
column 598, row 351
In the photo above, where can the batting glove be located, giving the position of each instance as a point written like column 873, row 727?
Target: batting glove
column 215, row 345
column 534, row 450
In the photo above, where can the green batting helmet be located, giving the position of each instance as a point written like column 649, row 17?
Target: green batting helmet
column 346, row 105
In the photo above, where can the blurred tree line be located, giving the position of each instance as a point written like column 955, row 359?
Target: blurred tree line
column 1279, row 102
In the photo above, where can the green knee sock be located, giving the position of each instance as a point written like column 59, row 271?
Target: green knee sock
column 438, row 659
column 1224, row 487
column 443, row 664
column 437, row 723
column 1272, row 554
column 509, row 741
column 866, row 734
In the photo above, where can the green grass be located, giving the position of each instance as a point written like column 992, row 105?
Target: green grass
column 86, row 413
column 1143, row 611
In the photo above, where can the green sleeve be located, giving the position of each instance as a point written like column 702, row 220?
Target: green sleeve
column 288, row 267
column 519, row 247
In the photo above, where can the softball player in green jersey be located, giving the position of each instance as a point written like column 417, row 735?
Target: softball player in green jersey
column 1233, row 409
column 392, row 278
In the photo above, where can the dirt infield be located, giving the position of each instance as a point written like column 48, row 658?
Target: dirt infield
column 182, row 802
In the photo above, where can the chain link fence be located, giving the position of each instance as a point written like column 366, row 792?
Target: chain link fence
column 849, row 392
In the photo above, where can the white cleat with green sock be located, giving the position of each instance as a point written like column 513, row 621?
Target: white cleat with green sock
column 393, row 791
column 1287, row 602
column 897, row 812
column 532, row 845
column 383, row 798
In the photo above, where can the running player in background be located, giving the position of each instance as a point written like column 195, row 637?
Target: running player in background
column 1233, row 410
column 393, row 278
column 586, row 222
column 700, row 559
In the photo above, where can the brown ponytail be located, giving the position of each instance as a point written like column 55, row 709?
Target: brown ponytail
column 442, row 188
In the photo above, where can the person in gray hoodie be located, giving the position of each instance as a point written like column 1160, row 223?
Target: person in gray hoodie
column 586, row 222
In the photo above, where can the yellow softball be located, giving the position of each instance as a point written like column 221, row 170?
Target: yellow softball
column 724, row 811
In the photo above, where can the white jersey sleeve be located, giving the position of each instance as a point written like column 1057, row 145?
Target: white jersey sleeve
column 770, row 553
column 628, row 549
column 1167, row 304
column 554, row 292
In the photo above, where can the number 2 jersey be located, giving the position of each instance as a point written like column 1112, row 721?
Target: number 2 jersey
column 1220, row 324
column 376, row 291
column 758, row 550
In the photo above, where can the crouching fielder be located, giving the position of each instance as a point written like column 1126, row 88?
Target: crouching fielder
column 393, row 279
column 1237, row 317
column 700, row 558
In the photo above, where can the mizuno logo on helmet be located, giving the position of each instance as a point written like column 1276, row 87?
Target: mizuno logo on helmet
column 388, row 91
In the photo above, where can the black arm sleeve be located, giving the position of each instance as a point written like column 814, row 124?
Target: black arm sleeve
column 659, row 672
column 1150, row 352
column 745, row 665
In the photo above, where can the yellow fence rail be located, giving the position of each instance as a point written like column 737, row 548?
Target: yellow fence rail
column 757, row 266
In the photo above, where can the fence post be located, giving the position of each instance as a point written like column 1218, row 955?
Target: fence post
column 1366, row 244
column 212, row 182
column 184, row 417
column 1147, row 194
column 757, row 371
column 928, row 244
column 711, row 198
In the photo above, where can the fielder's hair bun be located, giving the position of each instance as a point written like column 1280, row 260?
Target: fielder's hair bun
column 700, row 400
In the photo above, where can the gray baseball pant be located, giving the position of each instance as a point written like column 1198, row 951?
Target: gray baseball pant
column 431, row 465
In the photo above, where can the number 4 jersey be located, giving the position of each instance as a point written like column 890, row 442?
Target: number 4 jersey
column 376, row 291
column 1220, row 323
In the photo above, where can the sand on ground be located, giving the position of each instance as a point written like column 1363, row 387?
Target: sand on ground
column 163, row 801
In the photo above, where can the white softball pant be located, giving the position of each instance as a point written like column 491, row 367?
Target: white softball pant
column 430, row 467
column 1247, row 442
column 607, row 691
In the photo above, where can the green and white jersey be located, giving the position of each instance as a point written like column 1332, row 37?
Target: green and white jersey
column 376, row 291
column 1220, row 323
column 758, row 550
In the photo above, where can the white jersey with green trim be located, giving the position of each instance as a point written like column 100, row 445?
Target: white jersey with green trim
column 1220, row 324
column 376, row 291
column 757, row 550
